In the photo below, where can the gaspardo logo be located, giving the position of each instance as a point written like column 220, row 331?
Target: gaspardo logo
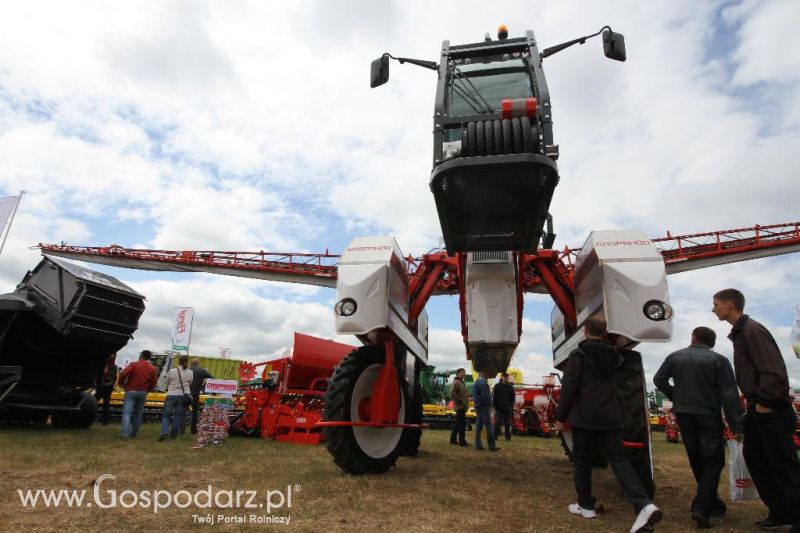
column 105, row 497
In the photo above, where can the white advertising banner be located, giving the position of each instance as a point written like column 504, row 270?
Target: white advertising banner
column 7, row 205
column 8, row 208
column 221, row 386
column 182, row 330
column 795, row 335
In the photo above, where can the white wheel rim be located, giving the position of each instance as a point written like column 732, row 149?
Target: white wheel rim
column 375, row 442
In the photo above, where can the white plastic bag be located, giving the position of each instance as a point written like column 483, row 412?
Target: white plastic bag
column 739, row 481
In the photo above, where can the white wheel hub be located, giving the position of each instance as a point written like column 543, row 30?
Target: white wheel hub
column 375, row 442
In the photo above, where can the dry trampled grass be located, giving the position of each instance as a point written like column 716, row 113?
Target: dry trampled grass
column 524, row 487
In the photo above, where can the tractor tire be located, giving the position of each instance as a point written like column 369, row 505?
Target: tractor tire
column 516, row 130
column 85, row 417
column 464, row 143
column 79, row 419
column 598, row 461
column 497, row 132
column 489, row 137
column 631, row 389
column 359, row 450
column 410, row 442
column 532, row 422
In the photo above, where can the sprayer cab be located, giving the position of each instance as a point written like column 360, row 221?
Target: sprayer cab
column 494, row 157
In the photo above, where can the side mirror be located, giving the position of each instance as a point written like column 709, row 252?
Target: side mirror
column 379, row 71
column 613, row 45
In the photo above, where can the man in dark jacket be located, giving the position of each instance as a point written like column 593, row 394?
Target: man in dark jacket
column 504, row 397
column 589, row 400
column 460, row 397
column 482, row 397
column 770, row 421
column 704, row 385
column 199, row 376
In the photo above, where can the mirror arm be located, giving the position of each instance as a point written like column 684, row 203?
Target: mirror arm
column 419, row 62
column 580, row 40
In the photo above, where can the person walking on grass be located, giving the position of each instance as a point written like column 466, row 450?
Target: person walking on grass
column 590, row 402
column 770, row 422
column 460, row 397
column 704, row 385
column 138, row 379
column 482, row 398
column 179, row 379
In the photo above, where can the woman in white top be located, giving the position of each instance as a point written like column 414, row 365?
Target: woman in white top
column 178, row 381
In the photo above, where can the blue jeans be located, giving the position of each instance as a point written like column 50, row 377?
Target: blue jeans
column 173, row 407
column 132, row 409
column 484, row 418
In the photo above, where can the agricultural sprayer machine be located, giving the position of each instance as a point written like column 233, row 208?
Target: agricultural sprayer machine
column 493, row 176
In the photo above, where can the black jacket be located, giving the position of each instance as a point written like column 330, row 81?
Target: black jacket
column 504, row 396
column 703, row 383
column 589, row 396
column 199, row 375
column 760, row 368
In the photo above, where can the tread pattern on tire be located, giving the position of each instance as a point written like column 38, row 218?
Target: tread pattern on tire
column 409, row 443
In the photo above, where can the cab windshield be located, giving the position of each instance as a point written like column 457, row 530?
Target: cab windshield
column 480, row 88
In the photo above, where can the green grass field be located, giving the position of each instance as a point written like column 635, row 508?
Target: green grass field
column 524, row 487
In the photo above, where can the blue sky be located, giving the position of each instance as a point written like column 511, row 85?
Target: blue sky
column 249, row 126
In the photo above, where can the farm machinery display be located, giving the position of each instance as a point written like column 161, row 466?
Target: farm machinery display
column 56, row 331
column 437, row 408
column 535, row 407
column 286, row 402
column 154, row 401
column 494, row 173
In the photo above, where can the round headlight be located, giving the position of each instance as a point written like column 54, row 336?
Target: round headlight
column 656, row 310
column 346, row 307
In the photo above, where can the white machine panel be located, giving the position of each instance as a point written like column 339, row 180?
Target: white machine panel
column 372, row 272
column 616, row 273
column 491, row 305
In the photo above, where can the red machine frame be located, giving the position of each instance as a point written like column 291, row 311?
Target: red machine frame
column 546, row 271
